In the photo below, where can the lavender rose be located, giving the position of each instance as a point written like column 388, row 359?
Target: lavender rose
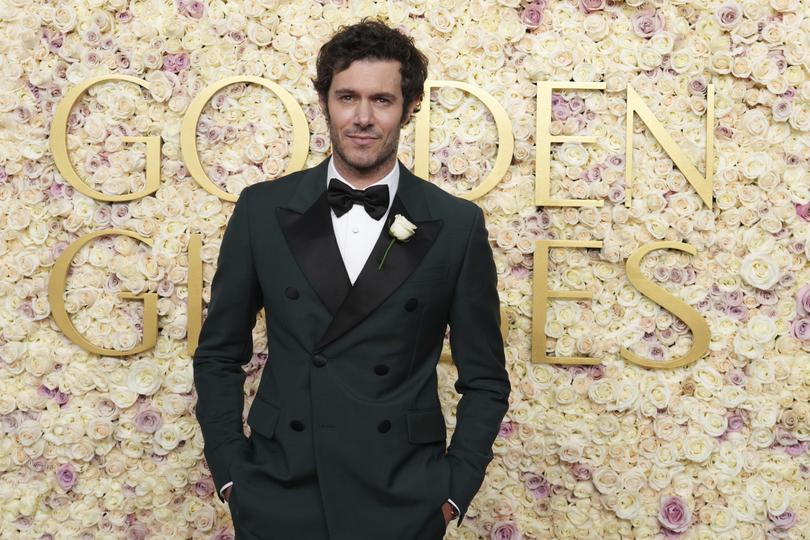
column 728, row 15
column 505, row 530
column 674, row 515
column 785, row 520
column 800, row 329
column 589, row 6
column 532, row 16
column 796, row 450
column 803, row 210
column 193, row 9
column 66, row 476
column 581, row 471
column 507, row 429
column 647, row 23
column 148, row 420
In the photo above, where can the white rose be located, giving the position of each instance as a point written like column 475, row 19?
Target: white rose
column 697, row 447
column 167, row 437
column 606, row 480
column 721, row 519
column 714, row 424
column 759, row 271
column 628, row 505
column 761, row 329
column 144, row 377
column 160, row 86
column 755, row 165
column 401, row 228
column 573, row 154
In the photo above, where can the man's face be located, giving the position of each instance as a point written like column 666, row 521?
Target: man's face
column 364, row 113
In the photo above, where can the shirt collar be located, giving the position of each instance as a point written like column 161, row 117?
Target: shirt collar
column 391, row 180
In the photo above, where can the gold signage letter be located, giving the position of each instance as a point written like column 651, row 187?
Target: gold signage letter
column 541, row 293
column 506, row 146
column 685, row 312
column 543, row 140
column 56, row 287
column 194, row 299
column 188, row 131
column 58, row 140
column 702, row 185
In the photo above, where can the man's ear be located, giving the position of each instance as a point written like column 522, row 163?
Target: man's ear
column 409, row 111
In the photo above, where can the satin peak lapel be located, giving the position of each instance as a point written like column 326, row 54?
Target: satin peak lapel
column 373, row 286
column 307, row 225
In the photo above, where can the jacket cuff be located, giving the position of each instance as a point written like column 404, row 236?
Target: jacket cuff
column 219, row 463
column 222, row 489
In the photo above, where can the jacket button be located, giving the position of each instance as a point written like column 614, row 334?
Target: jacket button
column 297, row 425
column 410, row 305
column 319, row 360
column 380, row 369
column 291, row 292
column 384, row 426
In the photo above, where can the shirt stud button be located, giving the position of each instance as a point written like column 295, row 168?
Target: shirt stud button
column 355, row 230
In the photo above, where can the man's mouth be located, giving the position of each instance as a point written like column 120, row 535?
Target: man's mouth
column 362, row 139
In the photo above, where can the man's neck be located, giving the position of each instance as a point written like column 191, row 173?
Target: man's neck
column 361, row 180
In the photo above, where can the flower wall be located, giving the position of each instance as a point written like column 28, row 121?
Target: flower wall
column 109, row 446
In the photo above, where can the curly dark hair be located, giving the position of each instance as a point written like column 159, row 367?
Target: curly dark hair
column 372, row 38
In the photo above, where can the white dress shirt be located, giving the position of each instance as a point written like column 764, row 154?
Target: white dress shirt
column 356, row 233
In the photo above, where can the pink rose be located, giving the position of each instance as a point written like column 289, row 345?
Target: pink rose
column 589, row 6
column 581, row 471
column 505, row 530
column 532, row 16
column 616, row 194
column 647, row 23
column 800, row 329
column 803, row 210
column 175, row 63
column 193, row 9
column 592, row 174
column 148, row 420
column 796, row 450
column 66, row 476
column 697, row 86
column 507, row 429
column 728, row 15
column 785, row 520
column 561, row 111
column 674, row 515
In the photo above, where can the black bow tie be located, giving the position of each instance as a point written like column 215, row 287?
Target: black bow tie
column 342, row 196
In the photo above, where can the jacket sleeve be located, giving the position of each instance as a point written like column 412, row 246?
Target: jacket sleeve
column 477, row 350
column 225, row 345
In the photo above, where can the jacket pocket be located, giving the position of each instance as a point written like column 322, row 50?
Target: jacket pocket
column 426, row 425
column 263, row 417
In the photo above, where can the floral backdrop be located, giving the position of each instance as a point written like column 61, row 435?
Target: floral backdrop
column 108, row 447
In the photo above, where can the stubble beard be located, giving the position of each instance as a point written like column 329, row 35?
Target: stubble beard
column 377, row 163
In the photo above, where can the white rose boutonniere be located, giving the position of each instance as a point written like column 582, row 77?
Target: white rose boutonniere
column 401, row 229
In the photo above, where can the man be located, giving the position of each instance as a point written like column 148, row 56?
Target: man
column 347, row 433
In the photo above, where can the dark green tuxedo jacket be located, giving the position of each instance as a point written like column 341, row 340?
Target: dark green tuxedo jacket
column 347, row 433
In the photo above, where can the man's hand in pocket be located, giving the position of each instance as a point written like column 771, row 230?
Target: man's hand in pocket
column 227, row 493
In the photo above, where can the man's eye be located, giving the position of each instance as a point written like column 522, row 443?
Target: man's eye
column 345, row 98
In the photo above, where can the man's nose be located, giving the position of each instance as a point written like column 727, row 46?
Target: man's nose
column 363, row 114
